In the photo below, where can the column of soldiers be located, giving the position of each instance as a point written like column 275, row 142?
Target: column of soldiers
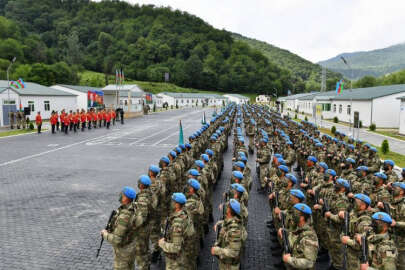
column 337, row 204
column 19, row 120
column 66, row 122
column 170, row 212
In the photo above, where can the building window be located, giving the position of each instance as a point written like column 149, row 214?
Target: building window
column 326, row 107
column 181, row 101
column 334, row 108
column 31, row 106
column 349, row 109
column 188, row 101
column 125, row 102
column 340, row 108
column 8, row 102
column 47, row 105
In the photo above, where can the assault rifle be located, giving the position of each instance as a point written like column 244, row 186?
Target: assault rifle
column 346, row 233
column 108, row 228
column 219, row 226
column 167, row 226
column 364, row 250
column 286, row 245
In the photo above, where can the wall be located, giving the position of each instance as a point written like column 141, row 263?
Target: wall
column 402, row 118
column 81, row 96
column 363, row 107
column 4, row 97
column 386, row 111
column 57, row 103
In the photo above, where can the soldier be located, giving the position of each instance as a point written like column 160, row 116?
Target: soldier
column 388, row 167
column 38, row 121
column 143, row 205
column 11, row 117
column 228, row 246
column 24, row 121
column 195, row 210
column 53, row 120
column 303, row 240
column 374, row 161
column 348, row 172
column 180, row 227
column 363, row 183
column 158, row 191
column 121, row 236
column 19, row 119
column 240, row 194
column 382, row 253
column 167, row 177
column 398, row 213
column 290, row 155
column 380, row 193
column 359, row 224
column 263, row 158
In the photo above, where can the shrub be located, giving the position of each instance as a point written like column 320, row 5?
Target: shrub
column 385, row 147
column 306, row 118
column 296, row 116
column 372, row 127
column 360, row 124
column 31, row 126
column 335, row 119
column 333, row 129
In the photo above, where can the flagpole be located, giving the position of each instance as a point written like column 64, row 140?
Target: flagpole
column 351, row 95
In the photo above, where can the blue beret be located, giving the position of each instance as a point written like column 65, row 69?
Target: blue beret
column 165, row 160
column 238, row 187
column 283, row 168
column 372, row 148
column 363, row 198
column 389, row 162
column 367, row 145
column 182, row 146
column 289, row 143
column 194, row 183
column 200, row 164
column 173, row 154
column 313, row 159
column 235, row 205
column 302, row 207
column 188, row 146
column 178, row 150
column 382, row 216
column 243, row 158
column 323, row 165
column 179, row 198
column 278, row 155
column 335, row 140
column 297, row 193
column 399, row 184
column 343, row 183
column 241, row 139
column 145, row 180
column 213, row 138
column 291, row 177
column 281, row 161
column 351, row 146
column 193, row 172
column 209, row 152
column 240, row 164
column 350, row 160
column 191, row 137
column 205, row 157
column 129, row 192
column 237, row 174
column 264, row 140
column 319, row 144
column 154, row 169
column 362, row 168
column 381, row 175
column 331, row 172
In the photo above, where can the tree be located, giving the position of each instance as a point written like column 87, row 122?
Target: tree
column 193, row 69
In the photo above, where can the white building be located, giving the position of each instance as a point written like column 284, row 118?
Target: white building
column 402, row 115
column 191, row 99
column 37, row 97
column 128, row 96
column 238, row 99
column 292, row 102
column 263, row 99
column 80, row 92
column 379, row 105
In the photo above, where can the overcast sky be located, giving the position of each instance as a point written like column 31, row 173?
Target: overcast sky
column 314, row 29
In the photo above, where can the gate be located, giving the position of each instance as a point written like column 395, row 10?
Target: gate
column 6, row 110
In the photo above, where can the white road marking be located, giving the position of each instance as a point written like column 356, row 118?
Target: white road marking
column 147, row 137
column 53, row 145
column 167, row 137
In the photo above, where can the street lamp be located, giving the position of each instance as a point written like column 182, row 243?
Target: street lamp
column 8, row 80
column 351, row 96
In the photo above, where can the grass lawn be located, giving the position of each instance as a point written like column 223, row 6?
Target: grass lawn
column 392, row 134
column 16, row 132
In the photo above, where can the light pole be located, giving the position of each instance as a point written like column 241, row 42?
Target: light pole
column 8, row 80
column 351, row 96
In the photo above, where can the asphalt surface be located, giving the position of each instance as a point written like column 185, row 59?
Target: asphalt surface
column 57, row 192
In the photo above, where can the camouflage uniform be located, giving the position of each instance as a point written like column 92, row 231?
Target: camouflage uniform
column 122, row 238
column 398, row 214
column 382, row 252
column 159, row 192
column 263, row 158
column 304, row 248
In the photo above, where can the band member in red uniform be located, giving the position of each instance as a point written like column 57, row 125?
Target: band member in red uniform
column 62, row 120
column 108, row 118
column 99, row 118
column 89, row 118
column 113, row 116
column 53, row 120
column 38, row 121
column 83, row 119
column 66, row 121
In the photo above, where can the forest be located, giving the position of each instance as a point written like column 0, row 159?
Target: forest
column 54, row 40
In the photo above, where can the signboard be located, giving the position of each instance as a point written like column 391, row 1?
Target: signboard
column 318, row 109
column 95, row 99
column 356, row 119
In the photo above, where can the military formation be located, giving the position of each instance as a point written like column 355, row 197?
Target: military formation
column 332, row 199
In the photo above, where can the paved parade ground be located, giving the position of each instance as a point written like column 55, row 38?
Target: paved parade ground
column 57, row 192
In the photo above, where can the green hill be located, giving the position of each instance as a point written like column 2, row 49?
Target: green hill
column 56, row 39
column 302, row 70
column 369, row 63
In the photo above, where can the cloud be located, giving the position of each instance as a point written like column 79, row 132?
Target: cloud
column 313, row 29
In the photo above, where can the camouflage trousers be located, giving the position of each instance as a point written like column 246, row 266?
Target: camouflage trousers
column 251, row 143
column 175, row 263
column 191, row 249
column 155, row 230
column 124, row 258
column 353, row 260
column 401, row 260
column 142, row 256
column 263, row 173
column 335, row 247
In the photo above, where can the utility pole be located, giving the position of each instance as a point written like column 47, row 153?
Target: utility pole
column 351, row 94
column 323, row 80
column 8, row 79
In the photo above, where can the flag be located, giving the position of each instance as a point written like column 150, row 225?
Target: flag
column 19, row 84
column 123, row 77
column 181, row 137
column 148, row 97
column 116, row 76
column 203, row 119
column 339, row 86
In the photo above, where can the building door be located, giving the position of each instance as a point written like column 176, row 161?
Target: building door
column 6, row 110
